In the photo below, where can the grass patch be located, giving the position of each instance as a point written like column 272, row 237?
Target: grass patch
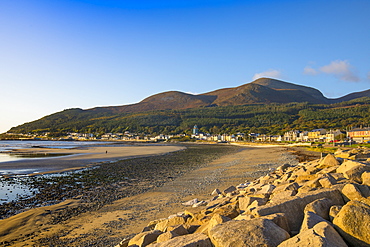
column 322, row 149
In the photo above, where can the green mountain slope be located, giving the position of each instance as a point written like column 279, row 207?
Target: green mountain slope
column 265, row 105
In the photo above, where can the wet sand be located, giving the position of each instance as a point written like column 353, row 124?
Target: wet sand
column 124, row 217
column 79, row 158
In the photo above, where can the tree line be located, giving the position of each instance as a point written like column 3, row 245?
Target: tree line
column 253, row 118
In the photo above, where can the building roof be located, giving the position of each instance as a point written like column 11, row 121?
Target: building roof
column 359, row 129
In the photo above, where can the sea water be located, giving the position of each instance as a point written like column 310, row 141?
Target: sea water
column 15, row 187
column 12, row 145
column 7, row 146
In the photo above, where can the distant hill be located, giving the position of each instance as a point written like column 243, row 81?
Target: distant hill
column 246, row 105
column 260, row 91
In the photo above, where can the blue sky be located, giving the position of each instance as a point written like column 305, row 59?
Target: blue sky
column 56, row 55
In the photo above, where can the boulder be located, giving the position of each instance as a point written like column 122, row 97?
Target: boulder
column 352, row 192
column 305, row 178
column 327, row 181
column 218, row 203
column 321, row 235
column 306, row 189
column 295, row 207
column 230, row 210
column 283, row 168
column 217, row 219
column 191, row 228
column 356, row 172
column 231, row 189
column 177, row 220
column 191, row 202
column 245, row 201
column 353, row 222
column 268, row 188
column 152, row 223
column 216, row 192
column 365, row 177
column 334, row 210
column 244, row 217
column 347, row 165
column 315, row 183
column 199, row 204
column 255, row 232
column 289, row 186
column 193, row 212
column 310, row 220
column 282, row 195
column 144, row 238
column 242, row 186
column 123, row 243
column 279, row 219
column 344, row 154
column 190, row 240
column 166, row 236
column 338, row 176
column 320, row 207
column 328, row 161
column 178, row 229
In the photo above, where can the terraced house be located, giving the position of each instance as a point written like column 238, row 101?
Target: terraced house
column 359, row 134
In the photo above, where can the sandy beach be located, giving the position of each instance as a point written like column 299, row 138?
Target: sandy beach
column 80, row 157
column 112, row 222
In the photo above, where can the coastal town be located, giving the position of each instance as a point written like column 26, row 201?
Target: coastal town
column 355, row 135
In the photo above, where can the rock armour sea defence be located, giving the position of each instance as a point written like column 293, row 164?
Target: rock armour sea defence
column 324, row 202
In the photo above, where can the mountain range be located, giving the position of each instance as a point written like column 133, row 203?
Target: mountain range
column 260, row 91
column 266, row 105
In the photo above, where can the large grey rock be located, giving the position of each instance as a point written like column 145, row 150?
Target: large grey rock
column 268, row 188
column 353, row 222
column 231, row 189
column 123, row 243
column 166, row 236
column 279, row 219
column 281, row 195
column 144, row 238
column 356, row 172
column 321, row 235
column 178, row 229
column 190, row 240
column 294, row 207
column 347, row 165
column 334, row 210
column 288, row 186
column 327, row 181
column 328, row 161
column 255, row 232
column 310, row 220
column 177, row 220
column 216, row 192
column 365, row 177
column 216, row 220
column 351, row 192
column 191, row 202
column 246, row 201
column 320, row 207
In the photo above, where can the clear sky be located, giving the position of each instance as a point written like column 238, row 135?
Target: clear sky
column 62, row 54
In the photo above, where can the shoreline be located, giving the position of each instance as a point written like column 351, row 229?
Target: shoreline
column 147, row 200
column 79, row 158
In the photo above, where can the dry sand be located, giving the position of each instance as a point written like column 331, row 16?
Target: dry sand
column 129, row 215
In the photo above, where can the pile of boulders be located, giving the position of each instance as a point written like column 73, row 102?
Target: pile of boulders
column 325, row 202
column 361, row 153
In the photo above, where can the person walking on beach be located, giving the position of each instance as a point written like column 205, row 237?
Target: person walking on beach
column 106, row 152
